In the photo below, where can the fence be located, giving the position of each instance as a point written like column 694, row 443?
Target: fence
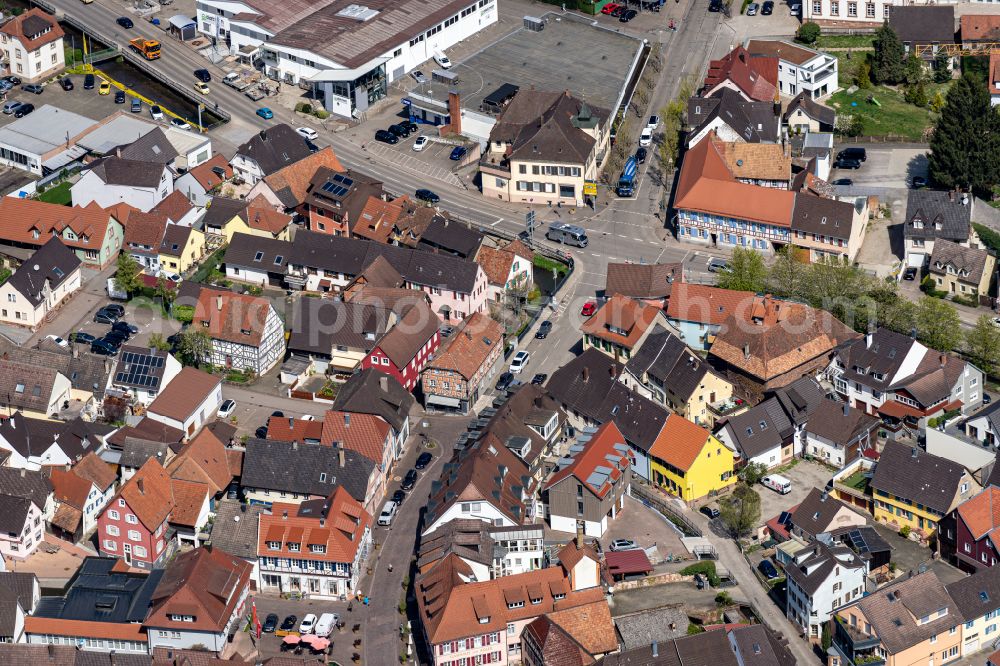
column 651, row 499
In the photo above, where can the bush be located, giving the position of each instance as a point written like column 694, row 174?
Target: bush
column 905, row 531
column 183, row 313
column 322, row 114
column 694, row 629
column 303, row 107
column 723, row 599
column 970, row 301
column 927, row 286
column 808, row 33
column 707, row 569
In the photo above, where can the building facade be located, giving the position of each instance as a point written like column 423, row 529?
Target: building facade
column 32, row 44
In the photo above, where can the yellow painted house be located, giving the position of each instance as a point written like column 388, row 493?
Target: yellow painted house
column 915, row 489
column 181, row 248
column 688, row 461
column 225, row 217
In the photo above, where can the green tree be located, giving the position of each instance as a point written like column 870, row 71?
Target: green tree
column 753, row 473
column 127, row 275
column 982, row 344
column 863, row 75
column 885, row 308
column 157, row 341
column 808, row 33
column 938, row 325
column 183, row 313
column 746, row 271
column 195, row 346
column 825, row 639
column 850, row 124
column 913, row 70
column 916, row 94
column 937, row 102
column 942, row 67
column 740, row 511
column 965, row 146
column 788, row 276
column 838, row 287
column 887, row 62
column 165, row 291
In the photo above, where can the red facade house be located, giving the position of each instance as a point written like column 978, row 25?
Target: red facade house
column 133, row 526
column 969, row 534
column 407, row 347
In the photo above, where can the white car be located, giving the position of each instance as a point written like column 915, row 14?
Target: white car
column 623, row 544
column 795, row 9
column 420, row 143
column 180, row 123
column 307, row 133
column 646, row 138
column 519, row 362
column 308, row 624
column 654, row 122
column 156, row 112
column 227, row 408
column 443, row 61
column 56, row 339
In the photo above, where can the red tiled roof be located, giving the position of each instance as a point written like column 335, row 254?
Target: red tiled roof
column 756, row 77
column 290, row 429
column 624, row 314
column 203, row 460
column 92, row 468
column 148, row 494
column 260, row 214
column 146, row 229
column 206, row 177
column 346, row 522
column 981, row 512
column 69, row 488
column 296, row 176
column 470, row 347
column 189, row 498
column 20, row 218
column 625, row 562
column 232, row 317
column 122, row 631
column 363, row 433
column 898, row 410
column 980, row 27
column 680, row 441
column 705, row 304
column 378, row 218
column 175, row 206
column 15, row 28
column 607, row 441
column 184, row 394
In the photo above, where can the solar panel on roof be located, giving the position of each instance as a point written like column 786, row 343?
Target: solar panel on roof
column 785, row 518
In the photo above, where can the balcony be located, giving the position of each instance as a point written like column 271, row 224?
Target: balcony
column 493, row 165
column 855, row 647
column 728, row 407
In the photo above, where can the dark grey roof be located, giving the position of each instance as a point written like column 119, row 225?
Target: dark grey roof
column 667, row 359
column 235, row 528
column 98, row 594
column 374, row 392
column 824, row 115
column 968, row 262
column 920, row 477
column 14, row 513
column 452, row 237
column 756, row 122
column 274, row 148
column 800, row 398
column 222, row 210
column 760, row 429
column 318, row 325
column 152, row 147
column 840, row 423
column 812, row 568
column 977, row 594
column 146, row 429
column 759, row 645
column 822, row 216
column 52, row 263
column 816, row 512
column 854, row 536
column 136, row 452
column 16, row 590
column 754, row 645
column 351, row 256
column 294, row 468
column 942, row 214
column 244, row 249
column 588, row 385
column 131, row 173
column 923, row 25
column 543, row 125
column 882, row 352
column 653, row 624
column 641, row 281
column 26, row 483
column 32, row 437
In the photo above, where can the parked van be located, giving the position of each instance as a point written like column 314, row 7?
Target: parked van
column 443, row 61
column 853, row 153
column 777, row 483
column 570, row 234
column 326, row 624
column 388, row 513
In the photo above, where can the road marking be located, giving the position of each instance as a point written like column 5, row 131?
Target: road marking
column 496, row 223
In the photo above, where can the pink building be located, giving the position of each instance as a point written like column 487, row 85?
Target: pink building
column 407, row 347
column 134, row 524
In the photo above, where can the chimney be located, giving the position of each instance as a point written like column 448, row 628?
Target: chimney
column 295, row 446
column 218, row 302
column 951, row 196
column 586, row 374
column 383, row 383
column 913, row 452
column 579, row 536
column 655, row 649
column 613, row 370
column 847, row 409
column 869, row 336
column 140, row 485
column 284, row 515
column 454, row 112
column 746, row 351
column 263, row 135
column 341, row 458
column 942, row 359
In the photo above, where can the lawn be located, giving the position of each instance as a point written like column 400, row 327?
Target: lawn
column 58, row 194
column 894, row 118
column 844, row 42
column 858, row 481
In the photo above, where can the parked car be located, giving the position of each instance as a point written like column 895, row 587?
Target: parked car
column 919, row 182
column 326, row 624
column 410, row 125
column 136, row 105
column 307, row 133
column 386, row 137
column 227, row 408
column 539, row 379
column 423, row 460
column 308, row 624
column 102, row 348
column 543, row 330
column 116, row 338
column 24, row 110
column 589, row 308
column 420, row 143
column 277, row 414
column 767, row 8
column 710, row 511
column 609, row 8
column 289, row 623
column 443, row 61
column 640, row 155
column 124, row 22
column 717, row 265
column 846, row 182
column 104, row 317
column 32, row 88
column 388, row 513
column 202, row 87
column 428, row 196
column 265, row 113
column 125, row 327
column 56, row 339
column 987, row 399
column 261, row 432
column 180, row 123
column 504, row 381
column 752, row 9
column 768, row 569
column 156, row 112
column 104, row 88
column 519, row 362
column 853, row 153
column 117, row 308
column 398, row 496
column 10, row 107
column 66, row 83
column 270, row 623
column 82, row 338
column 623, row 544
column 399, row 130
column 457, row 153
column 13, row 80
column 419, row 76
column 409, row 480
column 203, row 75
column 847, row 164
column 646, row 138
column 715, row 6
column 88, row 82
column 119, row 97
column 795, row 9
column 910, row 273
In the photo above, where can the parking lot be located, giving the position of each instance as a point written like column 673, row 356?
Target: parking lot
column 342, row 639
column 433, row 160
column 804, row 476
column 886, row 167
column 645, row 527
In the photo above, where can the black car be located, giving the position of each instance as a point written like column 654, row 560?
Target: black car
column 119, row 97
column 202, row 75
column 102, row 348
column 82, row 338
column 543, row 330
column 88, row 82
column 118, row 310
column 768, row 569
column 313, row 148
column 423, row 460
column 270, row 623
column 710, row 511
column 125, row 22
column 504, row 381
column 919, row 182
column 859, row 154
column 428, row 196
column 910, row 273
column 627, row 15
column 104, row 317
column 399, row 130
column 23, row 110
column 640, row 155
column 539, row 379
column 843, row 181
column 261, row 432
column 767, row 9
column 32, row 88
column 116, row 338
column 13, row 80
column 125, row 327
column 715, row 6
column 987, row 398
column 278, row 414
column 847, row 163
column 410, row 125
column 398, row 496
column 289, row 623
column 409, row 480
column 66, row 83
column 386, row 137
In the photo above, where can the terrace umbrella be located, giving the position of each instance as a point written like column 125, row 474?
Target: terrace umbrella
column 320, row 644
column 291, row 639
column 308, row 639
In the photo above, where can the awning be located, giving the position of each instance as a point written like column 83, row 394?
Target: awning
column 180, row 21
column 626, row 562
column 443, row 400
column 898, row 410
column 63, row 158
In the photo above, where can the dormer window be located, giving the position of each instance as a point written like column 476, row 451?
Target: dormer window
column 515, row 604
column 535, row 602
column 317, row 548
column 559, row 596
column 293, row 547
column 274, row 545
column 484, row 620
column 181, row 618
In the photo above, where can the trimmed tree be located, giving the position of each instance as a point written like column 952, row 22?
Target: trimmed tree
column 938, row 325
column 982, row 344
column 965, row 147
column 746, row 271
column 887, row 62
column 127, row 275
column 808, row 33
column 740, row 511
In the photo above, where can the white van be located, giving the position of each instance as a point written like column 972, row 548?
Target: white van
column 388, row 513
column 777, row 483
column 443, row 61
column 326, row 624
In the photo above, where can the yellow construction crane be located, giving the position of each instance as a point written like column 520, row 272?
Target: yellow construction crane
column 978, row 49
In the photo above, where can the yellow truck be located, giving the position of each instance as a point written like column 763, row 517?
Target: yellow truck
column 147, row 48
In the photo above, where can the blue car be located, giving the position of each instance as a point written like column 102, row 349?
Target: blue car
column 265, row 113
column 457, row 153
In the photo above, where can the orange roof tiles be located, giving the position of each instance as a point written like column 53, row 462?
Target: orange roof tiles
column 496, row 263
column 175, row 206
column 981, row 512
column 704, row 304
column 232, row 317
column 363, row 433
column 629, row 319
column 341, row 543
column 206, row 177
column 21, row 218
column 261, row 215
column 984, row 27
column 755, row 77
column 758, row 161
column 30, row 42
column 706, row 185
column 148, row 494
column 590, row 625
column 296, row 176
column 203, row 460
column 92, row 468
column 606, row 448
column 146, row 229
column 54, row 626
column 470, row 347
column 189, row 499
column 290, row 429
column 679, row 442
column 184, row 394
column 69, row 488
column 378, row 218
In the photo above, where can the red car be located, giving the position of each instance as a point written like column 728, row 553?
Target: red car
column 610, row 8
column 589, row 308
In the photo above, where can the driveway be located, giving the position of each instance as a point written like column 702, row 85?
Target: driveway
column 910, row 556
column 804, row 476
column 642, row 525
column 887, row 166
